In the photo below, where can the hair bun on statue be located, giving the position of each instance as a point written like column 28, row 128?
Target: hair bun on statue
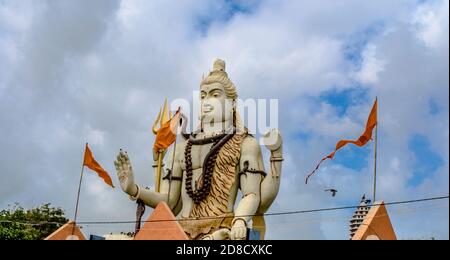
column 219, row 65
column 218, row 69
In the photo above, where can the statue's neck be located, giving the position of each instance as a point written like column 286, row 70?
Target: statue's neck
column 216, row 128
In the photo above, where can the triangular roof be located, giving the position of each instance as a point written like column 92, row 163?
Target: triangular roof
column 161, row 225
column 68, row 231
column 376, row 225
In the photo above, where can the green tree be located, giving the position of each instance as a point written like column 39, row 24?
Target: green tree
column 17, row 223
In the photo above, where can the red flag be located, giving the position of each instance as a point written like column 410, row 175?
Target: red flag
column 166, row 135
column 92, row 164
column 362, row 140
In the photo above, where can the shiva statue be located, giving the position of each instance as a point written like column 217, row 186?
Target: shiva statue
column 211, row 166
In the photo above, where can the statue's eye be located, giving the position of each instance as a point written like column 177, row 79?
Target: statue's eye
column 216, row 95
column 202, row 96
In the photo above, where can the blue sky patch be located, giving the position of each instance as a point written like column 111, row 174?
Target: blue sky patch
column 357, row 42
column 426, row 161
column 433, row 107
column 354, row 157
column 302, row 136
column 227, row 9
column 343, row 99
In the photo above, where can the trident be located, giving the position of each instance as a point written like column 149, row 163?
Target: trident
column 163, row 116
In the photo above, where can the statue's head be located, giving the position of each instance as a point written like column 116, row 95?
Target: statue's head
column 218, row 96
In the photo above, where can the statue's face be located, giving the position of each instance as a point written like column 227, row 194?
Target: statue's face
column 215, row 105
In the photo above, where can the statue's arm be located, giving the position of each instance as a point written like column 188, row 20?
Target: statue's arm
column 149, row 197
column 271, row 184
column 252, row 169
column 152, row 198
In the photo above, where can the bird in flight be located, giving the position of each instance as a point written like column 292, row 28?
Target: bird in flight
column 333, row 192
column 366, row 201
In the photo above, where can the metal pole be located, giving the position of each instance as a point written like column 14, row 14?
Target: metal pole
column 375, row 164
column 79, row 189
column 171, row 168
column 158, row 171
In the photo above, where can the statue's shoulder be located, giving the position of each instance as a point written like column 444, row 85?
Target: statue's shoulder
column 181, row 146
column 249, row 144
column 183, row 142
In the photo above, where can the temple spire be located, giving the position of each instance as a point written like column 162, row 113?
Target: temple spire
column 359, row 215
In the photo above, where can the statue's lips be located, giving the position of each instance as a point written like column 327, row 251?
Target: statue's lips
column 207, row 108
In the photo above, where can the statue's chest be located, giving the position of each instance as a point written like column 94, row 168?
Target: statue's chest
column 197, row 156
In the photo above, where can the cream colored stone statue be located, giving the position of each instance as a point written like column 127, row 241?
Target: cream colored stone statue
column 211, row 166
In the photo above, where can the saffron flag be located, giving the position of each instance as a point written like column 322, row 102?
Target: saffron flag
column 362, row 140
column 92, row 164
column 166, row 135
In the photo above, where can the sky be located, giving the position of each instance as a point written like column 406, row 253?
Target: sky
column 97, row 71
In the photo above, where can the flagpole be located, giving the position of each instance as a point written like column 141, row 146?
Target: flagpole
column 79, row 189
column 375, row 162
column 171, row 168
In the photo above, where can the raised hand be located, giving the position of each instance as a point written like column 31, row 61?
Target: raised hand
column 125, row 173
column 272, row 140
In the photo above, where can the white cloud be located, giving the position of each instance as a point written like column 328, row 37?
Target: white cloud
column 371, row 66
column 431, row 22
column 95, row 137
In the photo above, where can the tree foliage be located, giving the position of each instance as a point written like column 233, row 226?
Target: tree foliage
column 17, row 223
